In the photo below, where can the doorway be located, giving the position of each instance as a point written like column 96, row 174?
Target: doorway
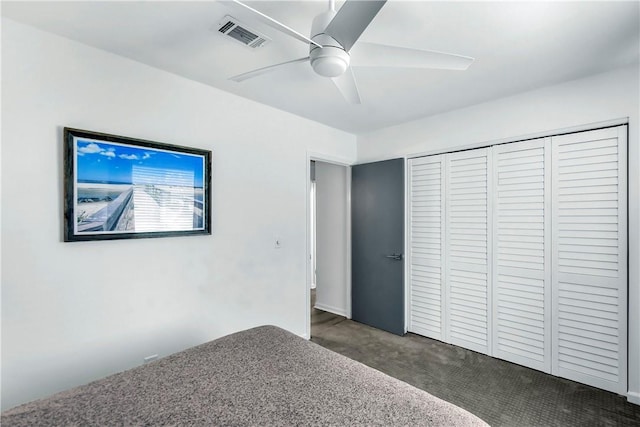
column 329, row 250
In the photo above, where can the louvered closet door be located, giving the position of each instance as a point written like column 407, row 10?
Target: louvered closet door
column 426, row 223
column 468, row 246
column 590, row 258
column 521, row 254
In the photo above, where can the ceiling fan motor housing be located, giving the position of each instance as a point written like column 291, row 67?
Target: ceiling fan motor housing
column 330, row 60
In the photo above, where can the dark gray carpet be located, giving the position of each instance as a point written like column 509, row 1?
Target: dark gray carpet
column 499, row 392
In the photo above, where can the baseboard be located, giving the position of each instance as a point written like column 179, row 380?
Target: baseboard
column 334, row 310
column 633, row 397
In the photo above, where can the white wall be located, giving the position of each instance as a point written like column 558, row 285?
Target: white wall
column 332, row 240
column 74, row 312
column 598, row 98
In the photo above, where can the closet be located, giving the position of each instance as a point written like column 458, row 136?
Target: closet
column 519, row 251
column 522, row 248
column 467, row 249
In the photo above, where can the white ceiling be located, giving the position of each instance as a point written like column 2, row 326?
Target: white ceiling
column 518, row 46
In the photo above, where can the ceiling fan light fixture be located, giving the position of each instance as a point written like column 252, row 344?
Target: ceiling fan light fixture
column 329, row 61
column 332, row 36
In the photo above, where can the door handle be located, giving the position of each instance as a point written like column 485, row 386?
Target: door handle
column 396, row 257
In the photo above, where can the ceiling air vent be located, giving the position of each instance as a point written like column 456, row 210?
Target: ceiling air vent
column 239, row 32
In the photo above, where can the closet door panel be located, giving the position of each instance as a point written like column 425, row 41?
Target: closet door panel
column 590, row 258
column 426, row 224
column 468, row 247
column 521, row 254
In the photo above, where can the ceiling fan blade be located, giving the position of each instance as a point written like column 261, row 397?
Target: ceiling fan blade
column 264, row 70
column 277, row 25
column 351, row 20
column 346, row 84
column 379, row 55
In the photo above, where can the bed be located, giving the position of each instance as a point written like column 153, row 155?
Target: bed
column 262, row 376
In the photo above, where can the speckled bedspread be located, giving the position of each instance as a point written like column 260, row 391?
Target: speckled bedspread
column 264, row 376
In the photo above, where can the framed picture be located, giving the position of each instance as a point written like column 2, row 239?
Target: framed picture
column 123, row 188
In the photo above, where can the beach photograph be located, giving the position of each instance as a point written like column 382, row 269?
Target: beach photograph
column 123, row 188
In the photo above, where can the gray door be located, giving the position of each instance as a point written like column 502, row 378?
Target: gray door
column 377, row 224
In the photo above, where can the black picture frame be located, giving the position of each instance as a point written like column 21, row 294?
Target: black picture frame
column 116, row 187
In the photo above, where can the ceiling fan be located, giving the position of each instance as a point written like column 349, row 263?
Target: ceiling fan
column 334, row 34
